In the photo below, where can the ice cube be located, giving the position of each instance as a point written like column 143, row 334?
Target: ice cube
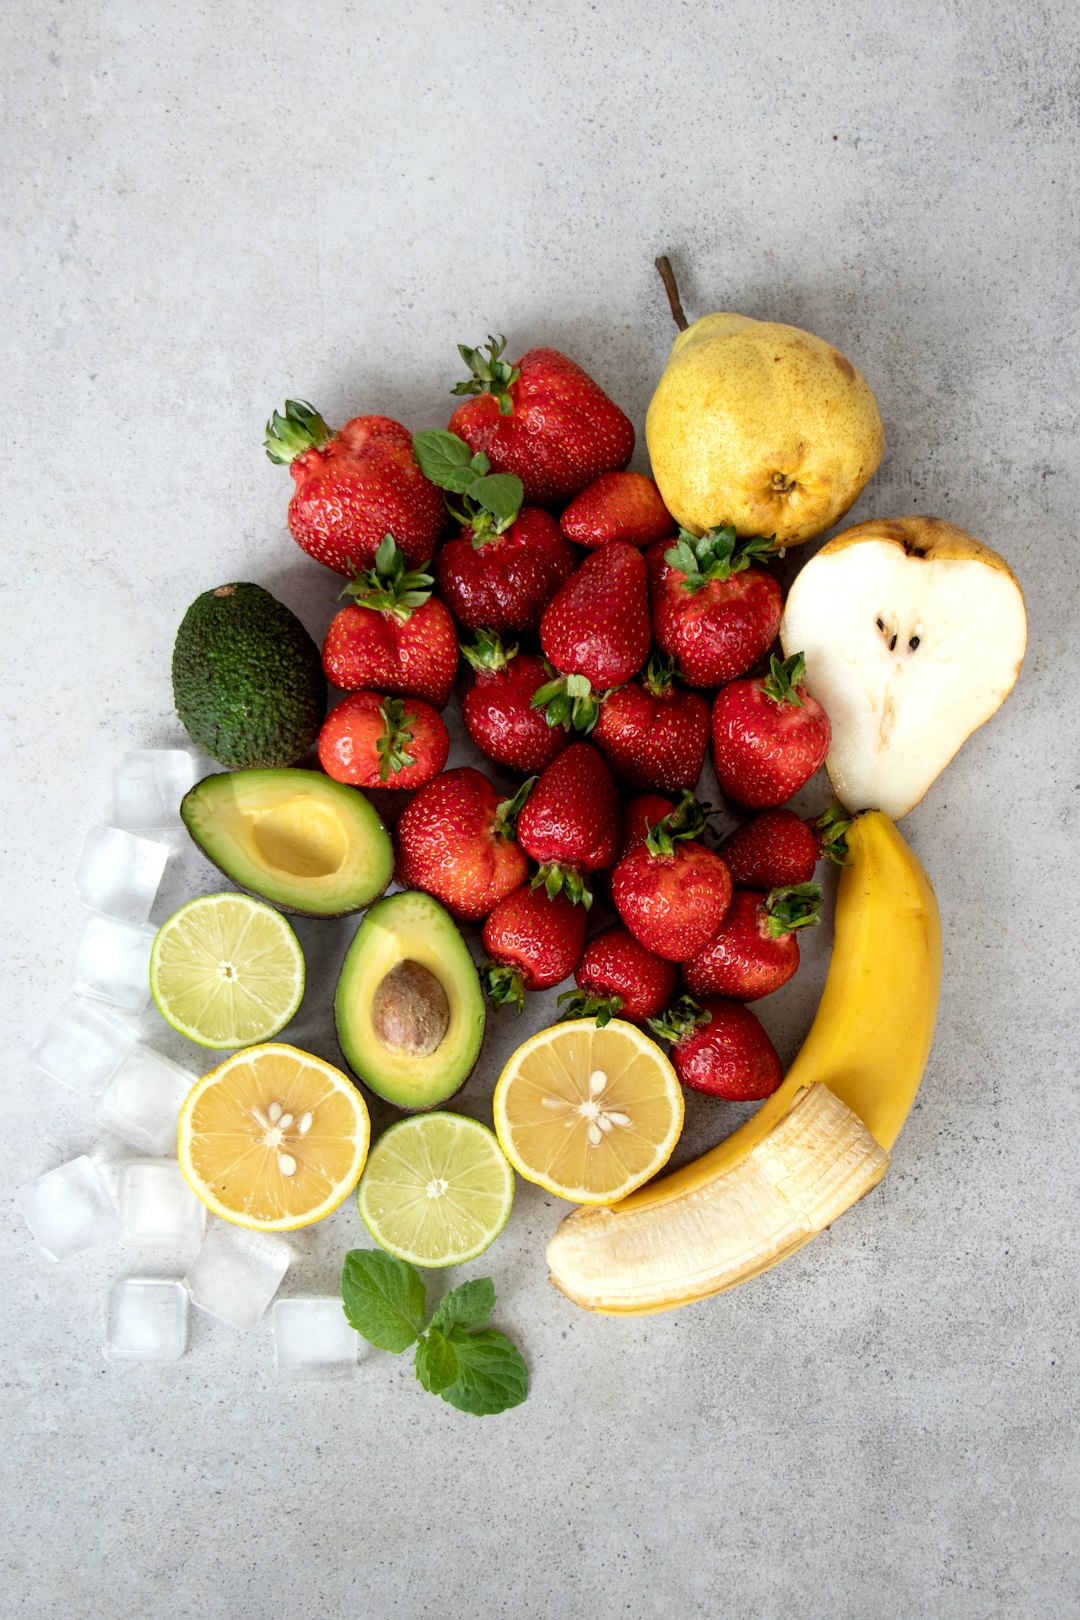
column 142, row 1101
column 119, row 873
column 236, row 1273
column 148, row 785
column 70, row 1208
column 313, row 1339
column 147, row 1319
column 82, row 1045
column 113, row 962
column 158, row 1207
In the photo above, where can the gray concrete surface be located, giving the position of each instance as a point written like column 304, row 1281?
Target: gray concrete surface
column 208, row 207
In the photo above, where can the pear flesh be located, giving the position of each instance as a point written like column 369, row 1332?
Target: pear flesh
column 913, row 634
column 761, row 427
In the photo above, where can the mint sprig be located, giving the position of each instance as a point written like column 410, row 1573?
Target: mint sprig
column 471, row 1366
column 489, row 501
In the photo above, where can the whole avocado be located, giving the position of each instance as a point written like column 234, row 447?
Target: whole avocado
column 247, row 679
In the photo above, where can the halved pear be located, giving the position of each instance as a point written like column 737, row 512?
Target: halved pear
column 913, row 634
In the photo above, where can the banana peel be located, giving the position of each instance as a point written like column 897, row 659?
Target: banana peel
column 817, row 1144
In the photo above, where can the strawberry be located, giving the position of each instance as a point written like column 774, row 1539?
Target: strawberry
column 396, row 636
column 670, row 891
column 652, row 733
column 720, row 1048
column 756, row 948
column 509, row 559
column 618, row 978
column 639, row 817
column 777, row 848
column 498, row 708
column 617, row 506
column 542, row 419
column 769, row 736
column 570, row 821
column 533, row 941
column 373, row 741
column 596, row 632
column 713, row 612
column 455, row 841
column 353, row 487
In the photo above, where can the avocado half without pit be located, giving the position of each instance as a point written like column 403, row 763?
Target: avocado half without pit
column 297, row 838
column 409, row 1008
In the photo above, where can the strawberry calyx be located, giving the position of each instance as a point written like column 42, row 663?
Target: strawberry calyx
column 392, row 746
column 491, row 374
column 489, row 502
column 554, row 878
column 389, row 586
column 300, row 429
column 508, row 810
column 488, row 651
column 569, row 701
column 797, row 905
column 504, row 985
column 687, row 820
column 679, row 1020
column 716, row 554
column 831, row 828
column 580, row 1004
column 783, row 678
column 659, row 676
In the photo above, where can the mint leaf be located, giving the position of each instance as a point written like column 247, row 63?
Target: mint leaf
column 467, row 1306
column 437, row 1365
column 384, row 1299
column 492, row 1376
column 445, row 460
column 501, row 494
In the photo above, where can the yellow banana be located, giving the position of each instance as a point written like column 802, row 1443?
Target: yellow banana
column 818, row 1143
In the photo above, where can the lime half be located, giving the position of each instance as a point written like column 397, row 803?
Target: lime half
column 437, row 1189
column 227, row 971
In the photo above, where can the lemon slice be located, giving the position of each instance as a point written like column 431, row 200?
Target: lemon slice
column 437, row 1190
column 588, row 1113
column 226, row 971
column 273, row 1138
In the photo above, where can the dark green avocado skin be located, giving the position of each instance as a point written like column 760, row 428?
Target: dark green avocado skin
column 248, row 681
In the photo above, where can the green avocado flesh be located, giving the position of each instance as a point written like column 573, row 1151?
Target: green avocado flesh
column 296, row 838
column 248, row 681
column 409, row 1008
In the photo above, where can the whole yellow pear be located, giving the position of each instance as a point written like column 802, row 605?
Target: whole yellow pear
column 761, row 427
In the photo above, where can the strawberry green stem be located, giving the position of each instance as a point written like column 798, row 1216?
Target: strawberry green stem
column 716, row 554
column 831, row 828
column 504, row 985
column 783, row 678
column 392, row 745
column 681, row 1018
column 798, row 905
column 687, row 820
column 389, row 587
column 555, row 879
column 569, row 701
column 580, row 1004
column 491, row 374
column 508, row 810
column 299, row 430
column 488, row 651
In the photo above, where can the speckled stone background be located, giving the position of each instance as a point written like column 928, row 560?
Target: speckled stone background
column 210, row 206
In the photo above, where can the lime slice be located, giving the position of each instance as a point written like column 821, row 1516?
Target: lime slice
column 437, row 1190
column 227, row 971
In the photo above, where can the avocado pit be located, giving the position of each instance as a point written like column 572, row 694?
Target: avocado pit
column 410, row 1012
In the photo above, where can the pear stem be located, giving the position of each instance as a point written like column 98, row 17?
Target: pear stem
column 671, row 287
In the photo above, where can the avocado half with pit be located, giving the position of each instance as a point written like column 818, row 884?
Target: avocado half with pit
column 409, row 1008
column 299, row 839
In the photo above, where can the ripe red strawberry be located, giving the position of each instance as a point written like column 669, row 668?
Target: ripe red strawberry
column 595, row 631
column 720, row 1048
column 396, row 637
column 354, row 486
column 652, row 733
column 618, row 978
column 617, row 506
column 769, row 736
column 543, row 419
column 639, row 817
column 570, row 822
column 533, row 941
column 455, row 841
column 713, row 612
column 498, row 708
column 374, row 741
column 756, row 949
column 670, row 891
column 777, row 848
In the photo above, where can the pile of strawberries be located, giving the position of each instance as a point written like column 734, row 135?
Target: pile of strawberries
column 584, row 612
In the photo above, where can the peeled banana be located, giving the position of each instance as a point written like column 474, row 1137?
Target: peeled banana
column 818, row 1143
